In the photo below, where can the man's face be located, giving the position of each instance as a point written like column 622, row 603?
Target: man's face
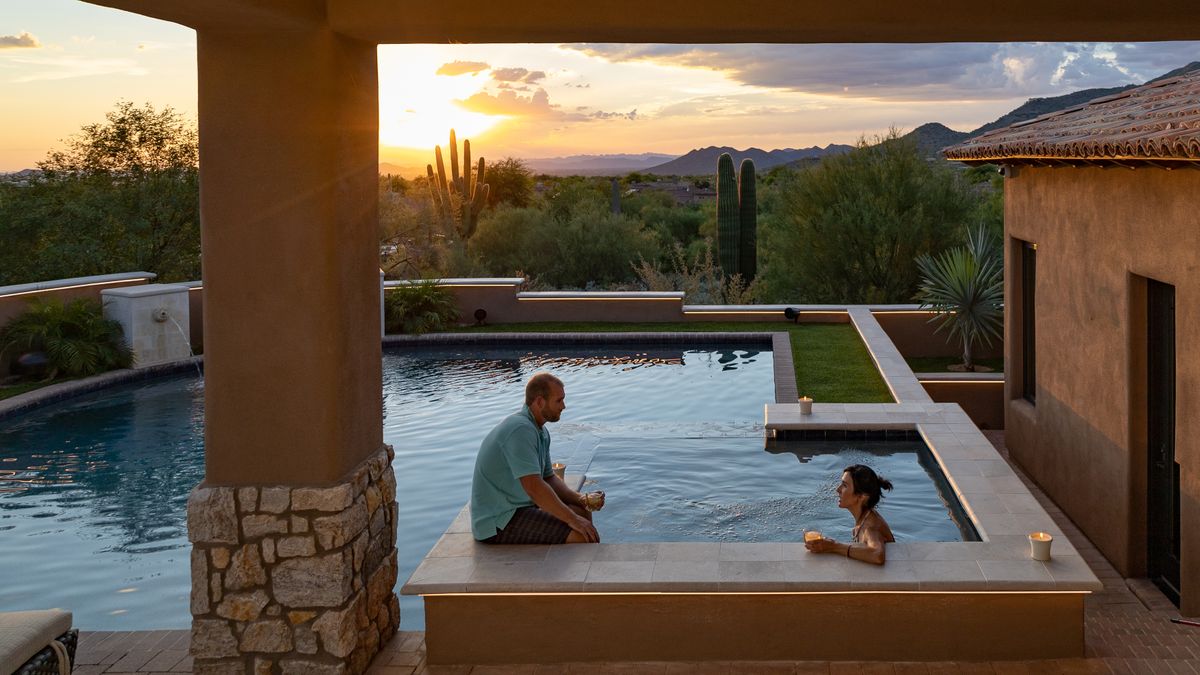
column 554, row 405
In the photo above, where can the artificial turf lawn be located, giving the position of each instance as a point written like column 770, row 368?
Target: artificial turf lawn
column 832, row 363
column 15, row 389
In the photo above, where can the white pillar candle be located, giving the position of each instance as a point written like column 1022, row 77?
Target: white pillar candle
column 805, row 405
column 1039, row 545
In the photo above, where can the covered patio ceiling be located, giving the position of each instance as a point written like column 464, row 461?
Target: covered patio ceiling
column 695, row 21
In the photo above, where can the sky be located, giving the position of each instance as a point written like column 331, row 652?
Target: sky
column 65, row 63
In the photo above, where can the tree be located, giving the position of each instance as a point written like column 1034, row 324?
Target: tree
column 122, row 195
column 849, row 229
column 511, row 183
column 965, row 286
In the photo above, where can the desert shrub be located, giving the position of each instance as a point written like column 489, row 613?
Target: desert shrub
column 417, row 308
column 75, row 337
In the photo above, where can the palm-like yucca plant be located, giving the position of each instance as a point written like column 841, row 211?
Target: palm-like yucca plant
column 965, row 286
column 75, row 337
column 419, row 308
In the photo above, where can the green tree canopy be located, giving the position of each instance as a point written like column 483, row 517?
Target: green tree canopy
column 122, row 195
column 850, row 228
column 511, row 183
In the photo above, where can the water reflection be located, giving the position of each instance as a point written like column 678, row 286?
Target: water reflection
column 93, row 491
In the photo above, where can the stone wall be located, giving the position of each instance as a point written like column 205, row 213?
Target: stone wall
column 294, row 580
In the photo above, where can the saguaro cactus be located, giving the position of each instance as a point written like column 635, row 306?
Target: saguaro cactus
column 737, row 219
column 728, row 224
column 748, row 221
column 459, row 199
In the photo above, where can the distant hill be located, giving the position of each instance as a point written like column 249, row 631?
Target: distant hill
column 703, row 161
column 932, row 137
column 596, row 165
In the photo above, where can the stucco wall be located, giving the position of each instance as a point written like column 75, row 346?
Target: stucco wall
column 1083, row 440
column 914, row 335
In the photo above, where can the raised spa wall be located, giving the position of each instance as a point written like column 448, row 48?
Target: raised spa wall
column 982, row 600
column 294, row 579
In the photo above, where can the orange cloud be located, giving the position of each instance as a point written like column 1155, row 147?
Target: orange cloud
column 462, row 67
column 22, row 41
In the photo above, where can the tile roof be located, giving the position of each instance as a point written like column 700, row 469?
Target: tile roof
column 1156, row 122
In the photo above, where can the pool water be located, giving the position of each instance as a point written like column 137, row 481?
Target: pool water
column 93, row 490
column 732, row 489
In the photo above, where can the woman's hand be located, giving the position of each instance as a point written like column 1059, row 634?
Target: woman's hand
column 824, row 546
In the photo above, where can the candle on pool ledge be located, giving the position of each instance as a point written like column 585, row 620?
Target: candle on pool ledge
column 1039, row 545
column 560, row 469
column 805, row 405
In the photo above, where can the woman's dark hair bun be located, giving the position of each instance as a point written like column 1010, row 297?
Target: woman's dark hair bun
column 867, row 482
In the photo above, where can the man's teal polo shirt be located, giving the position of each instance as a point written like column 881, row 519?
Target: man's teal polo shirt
column 515, row 448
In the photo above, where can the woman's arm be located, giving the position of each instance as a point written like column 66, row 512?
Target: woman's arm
column 873, row 548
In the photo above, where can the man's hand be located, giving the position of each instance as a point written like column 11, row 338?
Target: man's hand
column 585, row 529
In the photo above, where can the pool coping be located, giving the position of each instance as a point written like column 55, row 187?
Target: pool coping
column 999, row 505
column 54, row 393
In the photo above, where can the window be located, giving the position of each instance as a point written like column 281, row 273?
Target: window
column 1028, row 317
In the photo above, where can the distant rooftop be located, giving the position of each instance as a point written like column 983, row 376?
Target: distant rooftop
column 1156, row 123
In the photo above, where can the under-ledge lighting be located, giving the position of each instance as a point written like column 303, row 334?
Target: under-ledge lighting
column 394, row 287
column 617, row 299
column 756, row 312
column 960, row 381
column 847, row 592
column 64, row 288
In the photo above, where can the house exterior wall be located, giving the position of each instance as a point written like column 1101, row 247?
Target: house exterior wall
column 1098, row 230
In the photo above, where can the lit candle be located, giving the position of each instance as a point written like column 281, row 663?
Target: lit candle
column 805, row 405
column 1039, row 545
column 560, row 469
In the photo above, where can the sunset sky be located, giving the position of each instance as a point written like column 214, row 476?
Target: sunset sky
column 65, row 63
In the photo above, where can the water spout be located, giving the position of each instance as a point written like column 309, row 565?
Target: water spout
column 186, row 341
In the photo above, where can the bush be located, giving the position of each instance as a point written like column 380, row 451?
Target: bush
column 75, row 337
column 849, row 229
column 419, row 308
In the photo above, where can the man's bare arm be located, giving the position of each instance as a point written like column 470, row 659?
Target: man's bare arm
column 542, row 494
column 566, row 494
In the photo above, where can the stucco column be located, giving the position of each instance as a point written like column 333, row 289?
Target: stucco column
column 289, row 138
column 293, row 529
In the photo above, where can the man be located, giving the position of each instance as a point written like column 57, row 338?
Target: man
column 515, row 496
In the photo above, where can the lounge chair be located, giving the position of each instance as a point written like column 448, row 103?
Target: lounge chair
column 39, row 642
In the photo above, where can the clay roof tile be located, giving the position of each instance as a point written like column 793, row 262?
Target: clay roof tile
column 1156, row 121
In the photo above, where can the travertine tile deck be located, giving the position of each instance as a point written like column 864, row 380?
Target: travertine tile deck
column 1127, row 624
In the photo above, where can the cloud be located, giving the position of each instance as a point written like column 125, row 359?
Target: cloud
column 461, row 67
column 22, row 41
column 65, row 68
column 602, row 115
column 962, row 71
column 518, row 75
column 510, row 103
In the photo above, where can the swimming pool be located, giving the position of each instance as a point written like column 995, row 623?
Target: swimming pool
column 93, row 490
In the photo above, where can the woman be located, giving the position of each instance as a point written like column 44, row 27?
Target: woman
column 858, row 493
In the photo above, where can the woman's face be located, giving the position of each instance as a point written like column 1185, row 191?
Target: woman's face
column 847, row 497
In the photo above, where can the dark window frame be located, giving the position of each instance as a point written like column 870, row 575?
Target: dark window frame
column 1028, row 311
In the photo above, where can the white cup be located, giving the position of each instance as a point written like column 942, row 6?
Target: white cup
column 805, row 405
column 1039, row 545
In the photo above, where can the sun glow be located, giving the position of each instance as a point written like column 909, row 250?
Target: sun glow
column 417, row 108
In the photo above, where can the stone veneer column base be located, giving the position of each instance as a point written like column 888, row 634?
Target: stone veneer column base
column 294, row 579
